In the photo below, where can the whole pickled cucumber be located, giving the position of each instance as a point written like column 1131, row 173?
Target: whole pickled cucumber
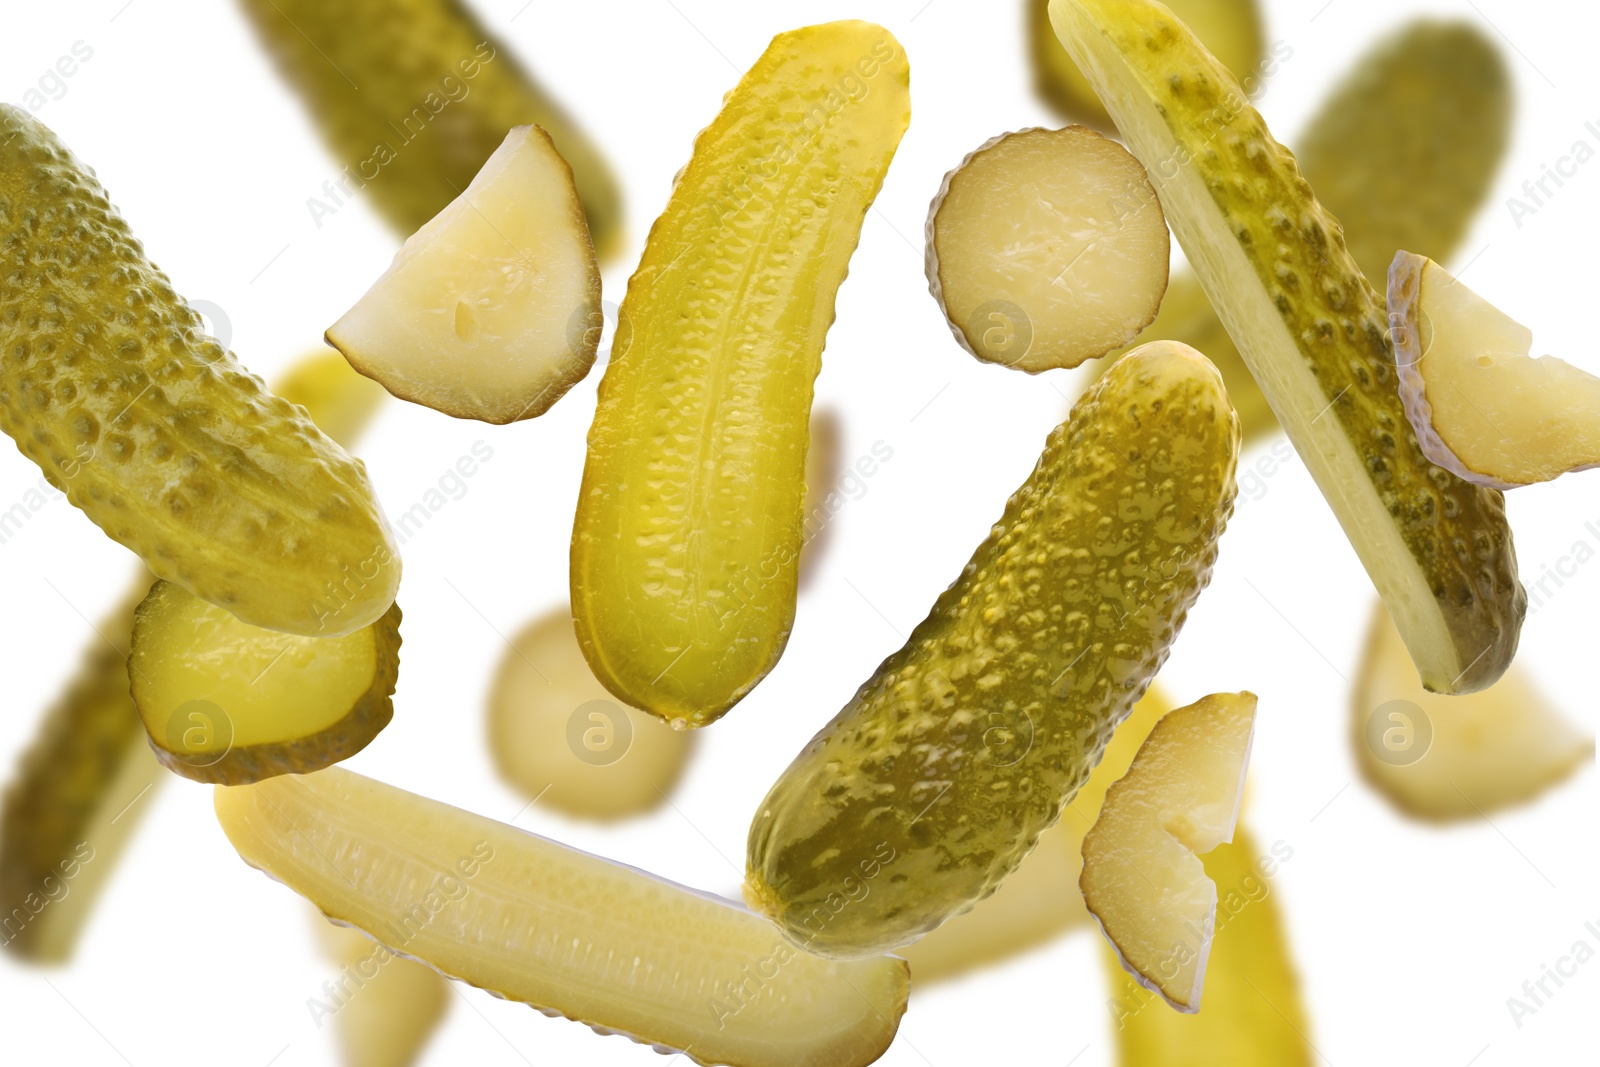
column 686, row 545
column 935, row 781
column 1403, row 153
column 412, row 96
column 154, row 430
column 77, row 794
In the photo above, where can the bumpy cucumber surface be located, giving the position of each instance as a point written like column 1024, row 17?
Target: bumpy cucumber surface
column 412, row 96
column 82, row 784
column 1403, row 153
column 1314, row 334
column 154, row 430
column 935, row 781
column 686, row 546
column 572, row 934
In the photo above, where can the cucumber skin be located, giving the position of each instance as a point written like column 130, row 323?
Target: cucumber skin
column 1456, row 533
column 689, row 526
column 58, row 792
column 935, row 781
column 154, row 430
column 363, row 68
column 369, row 713
column 1404, row 154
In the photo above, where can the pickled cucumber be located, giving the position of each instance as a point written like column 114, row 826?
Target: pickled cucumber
column 84, row 782
column 473, row 317
column 79, row 791
column 412, row 96
column 937, row 779
column 687, row 539
column 224, row 701
column 1314, row 334
column 1231, row 29
column 1037, row 902
column 155, row 431
column 557, row 737
column 1403, row 153
column 1047, row 248
column 385, row 1006
column 1254, row 1014
column 341, row 401
column 1142, row 877
column 824, row 469
column 1453, row 759
column 569, row 933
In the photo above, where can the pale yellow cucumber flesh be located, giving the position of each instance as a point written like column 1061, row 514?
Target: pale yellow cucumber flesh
column 224, row 701
column 1046, row 248
column 1313, row 333
column 1481, row 405
column 569, row 933
column 485, row 312
column 1254, row 1014
column 561, row 739
column 1142, row 877
column 1447, row 759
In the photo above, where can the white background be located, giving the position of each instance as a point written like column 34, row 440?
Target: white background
column 1409, row 939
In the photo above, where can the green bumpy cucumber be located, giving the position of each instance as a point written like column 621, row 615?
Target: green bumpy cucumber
column 1403, row 153
column 935, row 781
column 154, row 430
column 78, row 792
column 82, row 785
column 1314, row 334
column 412, row 96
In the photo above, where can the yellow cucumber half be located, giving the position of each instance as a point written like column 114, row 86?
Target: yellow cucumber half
column 1403, row 152
column 686, row 546
column 1232, row 29
column 1313, row 333
column 937, row 779
column 569, row 933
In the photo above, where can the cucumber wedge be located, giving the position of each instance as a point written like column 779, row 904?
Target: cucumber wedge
column 1313, row 333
